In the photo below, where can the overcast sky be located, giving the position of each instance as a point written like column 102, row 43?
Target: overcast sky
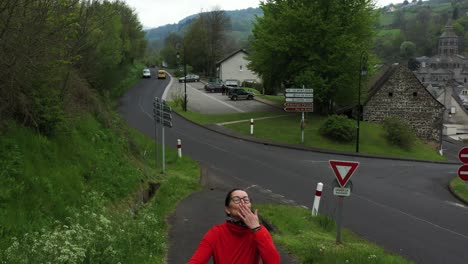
column 155, row 13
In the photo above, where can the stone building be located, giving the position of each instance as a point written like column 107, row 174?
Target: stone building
column 448, row 64
column 399, row 93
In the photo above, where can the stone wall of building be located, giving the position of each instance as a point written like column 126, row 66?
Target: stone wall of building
column 404, row 96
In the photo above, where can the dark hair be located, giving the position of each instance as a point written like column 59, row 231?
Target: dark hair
column 228, row 196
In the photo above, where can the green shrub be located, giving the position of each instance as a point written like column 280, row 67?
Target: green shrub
column 339, row 128
column 398, row 132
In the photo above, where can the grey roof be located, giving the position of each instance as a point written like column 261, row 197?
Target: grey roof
column 232, row 54
column 448, row 33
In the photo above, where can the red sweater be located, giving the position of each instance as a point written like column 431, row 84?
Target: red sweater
column 229, row 243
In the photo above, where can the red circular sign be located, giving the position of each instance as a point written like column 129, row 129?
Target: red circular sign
column 463, row 172
column 463, row 155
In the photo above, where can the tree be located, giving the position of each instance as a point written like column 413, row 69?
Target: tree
column 216, row 23
column 50, row 49
column 407, row 49
column 313, row 43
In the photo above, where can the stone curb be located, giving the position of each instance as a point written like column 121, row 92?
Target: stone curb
column 461, row 199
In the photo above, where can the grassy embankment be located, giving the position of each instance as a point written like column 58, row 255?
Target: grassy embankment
column 460, row 187
column 286, row 129
column 72, row 197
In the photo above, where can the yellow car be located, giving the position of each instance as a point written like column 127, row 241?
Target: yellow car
column 161, row 74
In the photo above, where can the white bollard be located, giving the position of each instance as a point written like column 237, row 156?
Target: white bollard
column 251, row 126
column 179, row 148
column 318, row 194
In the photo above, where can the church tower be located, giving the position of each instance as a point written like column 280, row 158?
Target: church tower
column 448, row 42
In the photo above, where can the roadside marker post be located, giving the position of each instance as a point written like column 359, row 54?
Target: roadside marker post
column 251, row 126
column 343, row 170
column 179, row 148
column 318, row 195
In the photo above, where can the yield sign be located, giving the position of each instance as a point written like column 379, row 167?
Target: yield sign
column 343, row 170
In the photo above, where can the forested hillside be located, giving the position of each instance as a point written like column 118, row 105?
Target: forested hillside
column 69, row 166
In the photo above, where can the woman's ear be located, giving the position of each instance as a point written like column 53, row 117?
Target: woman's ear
column 226, row 210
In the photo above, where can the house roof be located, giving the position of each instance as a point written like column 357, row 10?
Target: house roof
column 231, row 55
column 387, row 75
column 456, row 95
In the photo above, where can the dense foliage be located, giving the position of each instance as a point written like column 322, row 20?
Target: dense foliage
column 339, row 128
column 57, row 54
column 398, row 133
column 313, row 43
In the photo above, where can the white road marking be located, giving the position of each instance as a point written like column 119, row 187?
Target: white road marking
column 247, row 120
column 456, row 204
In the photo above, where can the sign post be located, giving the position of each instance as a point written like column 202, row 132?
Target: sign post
column 299, row 100
column 343, row 170
column 162, row 115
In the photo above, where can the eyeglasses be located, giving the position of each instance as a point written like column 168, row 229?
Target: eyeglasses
column 237, row 199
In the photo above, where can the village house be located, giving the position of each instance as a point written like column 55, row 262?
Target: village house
column 399, row 93
column 234, row 66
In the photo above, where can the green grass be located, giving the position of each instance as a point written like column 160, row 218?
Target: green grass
column 313, row 239
column 388, row 33
column 205, row 119
column 276, row 99
column 386, row 18
column 460, row 187
column 287, row 129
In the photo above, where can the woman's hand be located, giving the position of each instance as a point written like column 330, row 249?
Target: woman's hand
column 248, row 217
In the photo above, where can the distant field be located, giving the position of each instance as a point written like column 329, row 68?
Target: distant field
column 388, row 33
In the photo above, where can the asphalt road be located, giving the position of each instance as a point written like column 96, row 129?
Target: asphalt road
column 403, row 206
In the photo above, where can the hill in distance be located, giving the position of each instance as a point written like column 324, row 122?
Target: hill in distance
column 241, row 21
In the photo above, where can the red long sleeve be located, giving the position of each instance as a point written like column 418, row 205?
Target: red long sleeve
column 232, row 244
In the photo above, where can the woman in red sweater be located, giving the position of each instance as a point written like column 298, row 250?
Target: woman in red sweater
column 240, row 240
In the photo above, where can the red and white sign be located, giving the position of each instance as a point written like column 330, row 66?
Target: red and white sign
column 343, row 170
column 463, row 155
column 298, row 104
column 463, row 172
column 298, row 109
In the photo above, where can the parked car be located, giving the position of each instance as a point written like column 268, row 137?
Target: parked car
column 214, row 87
column 161, row 74
column 239, row 93
column 230, row 85
column 146, row 73
column 190, row 78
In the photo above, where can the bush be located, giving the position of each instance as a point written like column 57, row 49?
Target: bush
column 253, row 84
column 398, row 132
column 339, row 128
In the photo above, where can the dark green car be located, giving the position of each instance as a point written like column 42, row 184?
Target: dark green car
column 239, row 93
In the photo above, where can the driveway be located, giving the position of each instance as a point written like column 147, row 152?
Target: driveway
column 198, row 100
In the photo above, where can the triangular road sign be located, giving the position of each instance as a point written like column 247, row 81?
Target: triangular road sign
column 343, row 170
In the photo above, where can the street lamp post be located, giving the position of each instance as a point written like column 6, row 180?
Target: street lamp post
column 185, row 75
column 362, row 72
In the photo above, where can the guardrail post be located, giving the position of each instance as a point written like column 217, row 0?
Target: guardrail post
column 179, row 148
column 318, row 194
column 251, row 126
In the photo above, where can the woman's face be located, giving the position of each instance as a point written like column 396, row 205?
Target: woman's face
column 233, row 208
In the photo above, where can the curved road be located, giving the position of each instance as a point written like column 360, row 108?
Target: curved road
column 403, row 206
